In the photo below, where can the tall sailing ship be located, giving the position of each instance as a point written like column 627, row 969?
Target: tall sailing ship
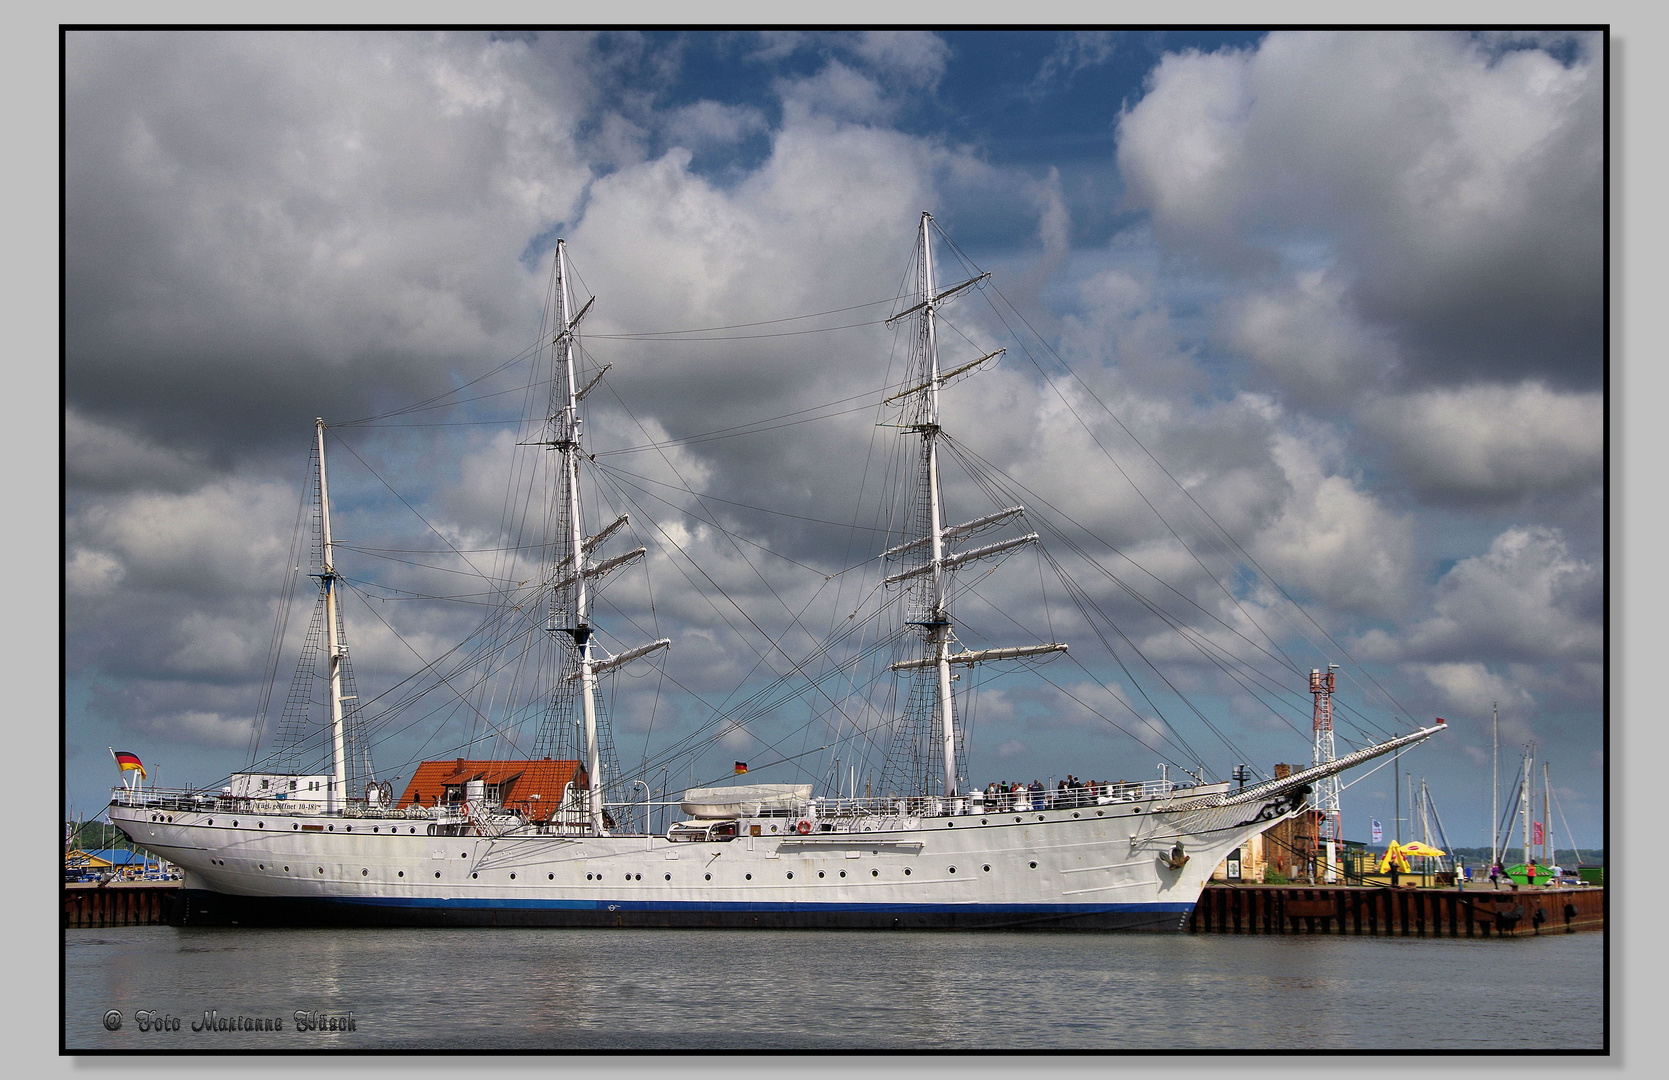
column 555, row 839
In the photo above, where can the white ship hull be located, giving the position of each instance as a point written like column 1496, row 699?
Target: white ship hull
column 1091, row 867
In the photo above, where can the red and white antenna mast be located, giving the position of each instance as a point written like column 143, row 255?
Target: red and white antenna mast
column 1324, row 798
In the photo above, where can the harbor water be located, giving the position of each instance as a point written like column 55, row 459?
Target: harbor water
column 203, row 989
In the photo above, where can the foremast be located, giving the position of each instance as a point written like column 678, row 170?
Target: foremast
column 572, row 572
column 929, row 605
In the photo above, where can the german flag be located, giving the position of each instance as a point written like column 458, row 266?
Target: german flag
column 128, row 761
column 741, row 767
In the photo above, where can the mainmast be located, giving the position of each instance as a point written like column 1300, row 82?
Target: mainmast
column 573, row 569
column 929, row 607
column 336, row 795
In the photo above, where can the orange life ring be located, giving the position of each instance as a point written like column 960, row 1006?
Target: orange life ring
column 804, row 827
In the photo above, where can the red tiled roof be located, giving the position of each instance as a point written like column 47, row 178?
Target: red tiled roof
column 518, row 781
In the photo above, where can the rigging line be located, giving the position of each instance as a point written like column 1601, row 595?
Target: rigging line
column 470, row 573
column 795, row 621
column 764, row 700
column 617, row 471
column 380, row 421
column 344, row 444
column 430, row 551
column 407, row 594
column 1186, row 493
column 1020, row 492
column 754, row 427
column 734, row 337
column 1096, row 439
column 705, row 521
column 744, row 326
column 281, row 617
column 479, row 715
column 1073, row 590
column 434, row 400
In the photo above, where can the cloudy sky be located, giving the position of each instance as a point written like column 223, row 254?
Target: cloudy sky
column 1348, row 288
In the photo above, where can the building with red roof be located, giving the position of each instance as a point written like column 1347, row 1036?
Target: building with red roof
column 534, row 789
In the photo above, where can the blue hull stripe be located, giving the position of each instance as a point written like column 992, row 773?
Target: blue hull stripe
column 485, row 903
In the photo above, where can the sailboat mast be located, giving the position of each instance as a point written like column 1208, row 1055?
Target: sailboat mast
column 1524, row 795
column 1495, row 789
column 336, row 794
column 566, row 424
column 939, row 627
column 1547, row 821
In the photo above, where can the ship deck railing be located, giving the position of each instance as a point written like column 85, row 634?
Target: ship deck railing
column 828, row 810
column 191, row 800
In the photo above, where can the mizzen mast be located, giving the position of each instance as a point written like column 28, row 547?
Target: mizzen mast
column 336, row 797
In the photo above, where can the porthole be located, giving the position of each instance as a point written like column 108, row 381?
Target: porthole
column 512, row 877
column 587, row 877
column 260, row 824
column 473, row 876
column 332, row 828
column 875, row 873
column 321, row 869
column 773, row 828
column 350, row 828
column 437, row 873
column 1034, row 866
column 639, row 877
column 373, row 828
column 1017, row 819
column 294, row 826
column 286, row 869
column 790, row 875
column 669, row 876
column 953, row 869
column 1098, row 813
column 211, row 820
column 552, row 877
column 906, row 871
column 463, row 854
column 749, row 877
column 982, row 821
column 820, row 873
column 414, row 830
column 1135, row 809
column 402, row 873
column 1040, row 817
column 262, row 866
column 1075, row 813
column 843, row 873
column 234, row 824
column 365, row 873
column 709, row 877
column 986, row 868
column 950, row 824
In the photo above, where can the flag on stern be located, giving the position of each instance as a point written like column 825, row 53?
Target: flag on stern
column 741, row 767
column 128, row 761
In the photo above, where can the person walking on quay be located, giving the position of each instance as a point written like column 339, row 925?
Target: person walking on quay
column 1495, row 876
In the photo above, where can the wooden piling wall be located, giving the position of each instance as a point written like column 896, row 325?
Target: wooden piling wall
column 122, row 903
column 1340, row 909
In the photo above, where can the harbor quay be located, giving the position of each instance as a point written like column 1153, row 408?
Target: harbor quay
column 1403, row 911
column 1222, row 909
